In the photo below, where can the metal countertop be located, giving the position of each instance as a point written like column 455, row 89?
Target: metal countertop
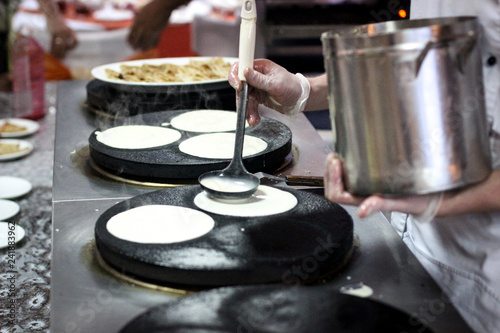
column 86, row 298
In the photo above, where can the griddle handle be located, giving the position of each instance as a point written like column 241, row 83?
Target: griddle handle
column 304, row 180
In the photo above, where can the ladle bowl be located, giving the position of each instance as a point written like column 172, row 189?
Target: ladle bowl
column 224, row 185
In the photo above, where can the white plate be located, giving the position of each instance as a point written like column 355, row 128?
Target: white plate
column 82, row 26
column 8, row 209
column 109, row 13
column 13, row 187
column 31, row 5
column 99, row 72
column 22, row 144
column 31, row 127
column 18, row 233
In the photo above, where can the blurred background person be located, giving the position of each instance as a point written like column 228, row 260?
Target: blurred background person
column 150, row 22
column 63, row 38
column 175, row 28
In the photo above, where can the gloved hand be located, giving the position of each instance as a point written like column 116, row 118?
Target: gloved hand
column 423, row 207
column 273, row 86
column 150, row 21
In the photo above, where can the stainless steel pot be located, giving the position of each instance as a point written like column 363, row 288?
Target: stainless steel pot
column 407, row 105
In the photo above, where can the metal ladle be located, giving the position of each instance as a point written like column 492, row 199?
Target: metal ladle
column 235, row 182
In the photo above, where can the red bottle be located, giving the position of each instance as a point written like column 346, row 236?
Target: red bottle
column 28, row 63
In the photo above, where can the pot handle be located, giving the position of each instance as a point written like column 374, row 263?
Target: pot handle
column 464, row 50
column 421, row 56
column 460, row 55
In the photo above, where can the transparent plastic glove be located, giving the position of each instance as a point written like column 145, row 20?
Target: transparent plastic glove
column 429, row 213
column 272, row 86
column 423, row 207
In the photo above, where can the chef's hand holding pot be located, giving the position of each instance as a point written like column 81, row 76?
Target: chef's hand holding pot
column 275, row 87
column 481, row 197
column 278, row 89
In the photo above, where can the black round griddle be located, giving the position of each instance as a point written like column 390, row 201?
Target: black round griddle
column 107, row 98
column 274, row 309
column 167, row 162
column 302, row 245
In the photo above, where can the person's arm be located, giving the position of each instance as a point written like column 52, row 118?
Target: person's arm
column 481, row 197
column 318, row 97
column 275, row 87
column 150, row 21
column 63, row 37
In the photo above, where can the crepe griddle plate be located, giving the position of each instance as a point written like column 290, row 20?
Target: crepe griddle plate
column 274, row 309
column 104, row 97
column 301, row 245
column 160, row 164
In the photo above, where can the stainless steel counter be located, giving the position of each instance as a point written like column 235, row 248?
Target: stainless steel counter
column 86, row 298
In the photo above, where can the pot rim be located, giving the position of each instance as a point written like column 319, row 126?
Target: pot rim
column 398, row 32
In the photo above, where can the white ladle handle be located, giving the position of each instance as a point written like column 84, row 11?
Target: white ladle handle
column 247, row 36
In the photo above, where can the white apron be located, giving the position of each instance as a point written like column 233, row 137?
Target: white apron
column 462, row 253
